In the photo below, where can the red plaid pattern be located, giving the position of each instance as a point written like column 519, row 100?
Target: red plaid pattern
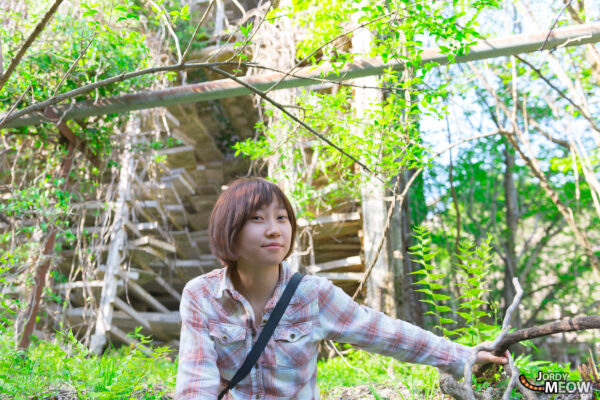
column 217, row 333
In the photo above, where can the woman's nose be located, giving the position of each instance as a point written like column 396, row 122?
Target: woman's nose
column 272, row 228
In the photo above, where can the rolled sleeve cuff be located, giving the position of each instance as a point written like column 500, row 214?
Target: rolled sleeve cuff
column 456, row 366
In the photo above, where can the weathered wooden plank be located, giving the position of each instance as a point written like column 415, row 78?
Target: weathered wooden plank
column 127, row 309
column 78, row 285
column 181, row 181
column 335, row 231
column 194, row 263
column 164, row 284
column 177, row 215
column 336, row 247
column 330, row 218
column 167, row 322
column 145, row 296
column 344, row 262
column 343, row 276
column 115, row 252
column 180, row 156
column 203, row 203
column 142, row 210
column 133, row 228
column 152, row 241
column 199, row 221
column 147, row 255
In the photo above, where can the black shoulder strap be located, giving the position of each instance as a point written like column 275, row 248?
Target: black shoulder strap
column 266, row 333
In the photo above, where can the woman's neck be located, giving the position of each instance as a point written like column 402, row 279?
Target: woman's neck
column 258, row 284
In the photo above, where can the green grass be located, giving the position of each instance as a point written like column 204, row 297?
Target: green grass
column 65, row 365
column 360, row 367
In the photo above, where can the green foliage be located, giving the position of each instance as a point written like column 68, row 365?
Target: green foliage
column 386, row 139
column 66, row 364
column 474, row 268
column 425, row 253
column 359, row 367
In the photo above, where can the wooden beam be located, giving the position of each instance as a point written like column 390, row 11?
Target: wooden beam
column 198, row 254
column 343, row 276
column 169, row 323
column 133, row 228
column 151, row 241
column 344, row 262
column 145, row 296
column 164, row 284
column 117, row 245
column 330, row 218
column 127, row 309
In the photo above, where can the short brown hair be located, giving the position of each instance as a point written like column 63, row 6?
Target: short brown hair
column 234, row 207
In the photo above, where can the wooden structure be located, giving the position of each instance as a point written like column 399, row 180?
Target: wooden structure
column 159, row 220
column 159, row 237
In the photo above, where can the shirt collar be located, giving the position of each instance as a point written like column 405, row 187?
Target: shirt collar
column 226, row 284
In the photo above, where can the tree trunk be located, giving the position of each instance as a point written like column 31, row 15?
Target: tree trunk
column 512, row 218
column 374, row 211
column 407, row 304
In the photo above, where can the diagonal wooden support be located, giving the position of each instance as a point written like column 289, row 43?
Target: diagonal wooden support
column 113, row 262
column 147, row 297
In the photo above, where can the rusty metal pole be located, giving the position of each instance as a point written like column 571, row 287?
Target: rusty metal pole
column 219, row 89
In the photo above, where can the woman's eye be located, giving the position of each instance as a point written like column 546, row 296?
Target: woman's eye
column 282, row 216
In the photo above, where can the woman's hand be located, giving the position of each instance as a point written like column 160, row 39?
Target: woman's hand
column 485, row 357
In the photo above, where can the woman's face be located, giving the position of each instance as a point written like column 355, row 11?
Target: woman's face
column 265, row 239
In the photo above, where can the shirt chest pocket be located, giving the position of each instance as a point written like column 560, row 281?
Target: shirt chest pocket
column 229, row 343
column 294, row 346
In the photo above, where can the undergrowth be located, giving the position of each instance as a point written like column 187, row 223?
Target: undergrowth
column 65, row 367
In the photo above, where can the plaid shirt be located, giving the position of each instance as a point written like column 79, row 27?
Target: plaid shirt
column 218, row 332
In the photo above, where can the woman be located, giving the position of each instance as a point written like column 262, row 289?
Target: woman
column 251, row 231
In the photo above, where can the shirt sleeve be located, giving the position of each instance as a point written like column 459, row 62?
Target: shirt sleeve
column 197, row 372
column 345, row 321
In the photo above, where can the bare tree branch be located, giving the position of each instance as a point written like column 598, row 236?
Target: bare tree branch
column 164, row 15
column 72, row 66
column 187, row 49
column 37, row 107
column 554, row 24
column 560, row 93
column 533, row 164
column 293, row 117
column 567, row 325
column 15, row 105
column 36, row 31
